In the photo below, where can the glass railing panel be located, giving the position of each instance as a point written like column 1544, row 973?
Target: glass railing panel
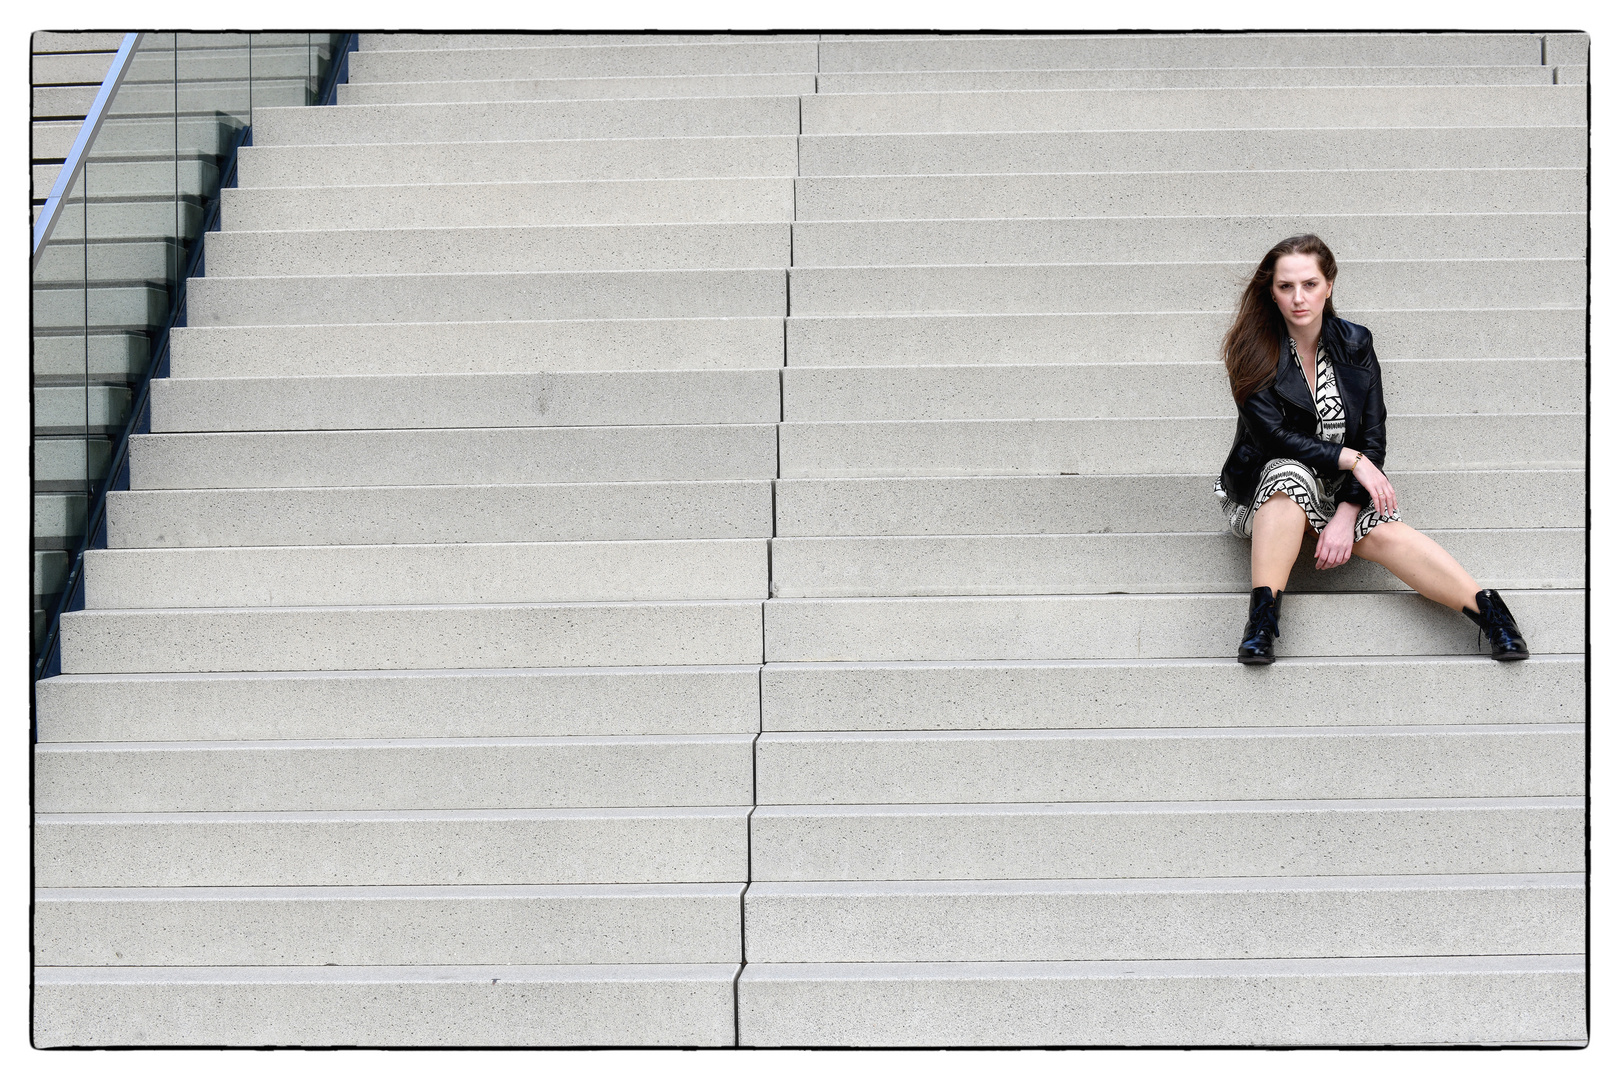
column 61, row 363
column 107, row 284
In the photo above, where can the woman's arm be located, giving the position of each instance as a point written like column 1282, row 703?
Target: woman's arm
column 1265, row 421
column 1338, row 537
column 1371, row 439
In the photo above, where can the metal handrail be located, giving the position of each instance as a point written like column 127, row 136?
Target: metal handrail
column 74, row 165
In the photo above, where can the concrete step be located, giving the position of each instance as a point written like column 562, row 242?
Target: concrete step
column 1225, row 107
column 1196, row 388
column 509, row 161
column 494, row 297
column 1146, row 446
column 912, row 506
column 511, row 346
column 587, row 1005
column 591, row 119
column 1185, row 764
column 1118, row 337
column 1354, row 237
column 975, row 695
column 1130, row 286
column 388, row 41
column 1160, row 919
column 1304, row 1002
column 401, row 774
column 686, row 246
column 453, row 456
column 554, row 89
column 452, row 573
column 49, row 41
column 394, row 847
column 1274, row 837
column 1143, row 627
column 1000, row 52
column 1565, row 48
column 1294, row 193
column 54, row 69
column 389, row 925
column 655, row 58
column 889, row 82
column 560, row 202
column 447, row 514
column 1088, row 563
column 547, row 399
column 1329, row 146
column 412, row 637
column 509, row 703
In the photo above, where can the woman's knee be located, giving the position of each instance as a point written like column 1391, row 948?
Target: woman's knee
column 1383, row 538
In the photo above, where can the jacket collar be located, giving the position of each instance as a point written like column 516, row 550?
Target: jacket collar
column 1290, row 382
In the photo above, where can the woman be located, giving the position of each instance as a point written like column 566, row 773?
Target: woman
column 1309, row 452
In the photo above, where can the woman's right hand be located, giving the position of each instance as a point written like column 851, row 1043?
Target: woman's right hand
column 1379, row 489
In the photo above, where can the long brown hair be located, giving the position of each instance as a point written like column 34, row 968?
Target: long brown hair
column 1251, row 344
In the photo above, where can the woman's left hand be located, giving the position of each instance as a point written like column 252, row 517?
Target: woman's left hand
column 1333, row 546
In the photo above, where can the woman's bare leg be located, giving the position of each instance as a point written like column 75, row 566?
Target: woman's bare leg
column 1279, row 529
column 1420, row 562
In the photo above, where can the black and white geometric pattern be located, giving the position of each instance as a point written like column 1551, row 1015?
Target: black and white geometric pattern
column 1317, row 495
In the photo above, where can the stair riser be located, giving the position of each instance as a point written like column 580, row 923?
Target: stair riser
column 436, row 574
column 1294, row 193
column 988, row 392
column 445, row 348
column 1536, row 558
column 1441, row 334
column 487, row 456
column 1069, row 110
column 485, row 297
column 430, row 515
column 490, row 250
column 432, row 206
column 1144, row 627
column 82, row 778
column 405, row 638
column 566, row 61
column 1125, row 1009
column 1208, row 840
column 1183, row 239
column 889, row 82
column 1082, row 695
column 378, row 705
column 475, row 122
column 676, row 925
column 695, row 86
column 508, row 161
column 1048, row 921
column 563, row 399
column 848, row 770
column 1169, row 50
column 557, row 847
column 387, row 1007
column 1150, row 446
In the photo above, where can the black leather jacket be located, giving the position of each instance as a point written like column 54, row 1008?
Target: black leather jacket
column 1279, row 421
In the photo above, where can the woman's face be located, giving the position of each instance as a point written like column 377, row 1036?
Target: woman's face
column 1300, row 290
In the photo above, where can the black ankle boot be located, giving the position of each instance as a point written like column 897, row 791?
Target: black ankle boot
column 1496, row 623
column 1261, row 628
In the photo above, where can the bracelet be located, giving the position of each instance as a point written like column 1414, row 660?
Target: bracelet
column 1356, row 462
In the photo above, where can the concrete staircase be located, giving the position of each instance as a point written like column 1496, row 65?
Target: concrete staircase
column 695, row 541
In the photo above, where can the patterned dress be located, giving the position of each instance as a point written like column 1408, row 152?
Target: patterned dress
column 1317, row 495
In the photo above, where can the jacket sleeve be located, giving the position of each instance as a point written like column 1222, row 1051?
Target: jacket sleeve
column 1265, row 422
column 1372, row 432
